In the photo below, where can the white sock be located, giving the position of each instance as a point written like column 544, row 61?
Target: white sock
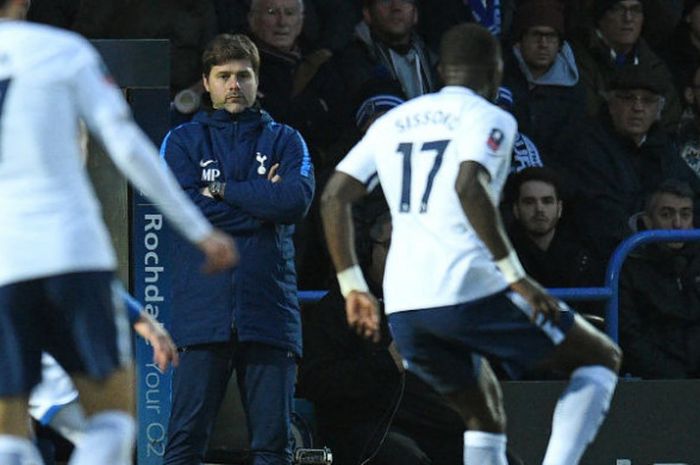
column 482, row 448
column 579, row 413
column 70, row 422
column 109, row 439
column 15, row 450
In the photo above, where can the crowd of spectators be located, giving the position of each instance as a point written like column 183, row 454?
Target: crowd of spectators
column 606, row 94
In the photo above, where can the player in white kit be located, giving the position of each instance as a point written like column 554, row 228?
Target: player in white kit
column 454, row 289
column 56, row 259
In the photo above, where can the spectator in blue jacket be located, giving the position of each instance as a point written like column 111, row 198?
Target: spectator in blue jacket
column 253, row 178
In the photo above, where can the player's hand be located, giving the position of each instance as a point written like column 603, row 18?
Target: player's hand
column 272, row 175
column 541, row 302
column 362, row 311
column 164, row 350
column 219, row 250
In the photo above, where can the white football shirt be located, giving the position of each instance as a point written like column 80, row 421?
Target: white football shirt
column 436, row 258
column 50, row 221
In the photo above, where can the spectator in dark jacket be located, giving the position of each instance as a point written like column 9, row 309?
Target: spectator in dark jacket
column 549, row 251
column 252, row 177
column 386, row 46
column 297, row 87
column 660, row 293
column 621, row 157
column 616, row 41
column 542, row 74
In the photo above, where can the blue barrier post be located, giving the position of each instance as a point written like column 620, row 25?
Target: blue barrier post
column 612, row 278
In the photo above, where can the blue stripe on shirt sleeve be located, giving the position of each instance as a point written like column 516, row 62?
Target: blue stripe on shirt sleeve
column 133, row 307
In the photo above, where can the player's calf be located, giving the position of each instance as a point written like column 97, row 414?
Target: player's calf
column 583, row 405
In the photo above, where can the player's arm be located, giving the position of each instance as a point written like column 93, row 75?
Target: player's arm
column 164, row 350
column 362, row 309
column 473, row 191
column 107, row 116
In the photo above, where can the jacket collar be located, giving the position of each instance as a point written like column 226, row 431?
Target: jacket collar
column 250, row 116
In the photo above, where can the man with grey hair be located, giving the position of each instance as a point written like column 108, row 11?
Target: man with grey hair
column 619, row 159
column 297, row 86
column 615, row 41
column 660, row 293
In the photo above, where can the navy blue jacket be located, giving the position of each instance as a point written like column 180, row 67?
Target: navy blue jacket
column 258, row 297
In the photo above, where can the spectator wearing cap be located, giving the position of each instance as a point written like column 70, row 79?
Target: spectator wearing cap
column 542, row 73
column 615, row 41
column 386, row 46
column 622, row 156
column 374, row 107
column 313, row 263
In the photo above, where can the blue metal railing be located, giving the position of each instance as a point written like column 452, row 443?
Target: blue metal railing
column 610, row 292
column 612, row 278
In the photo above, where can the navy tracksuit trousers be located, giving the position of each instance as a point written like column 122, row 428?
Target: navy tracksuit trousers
column 265, row 376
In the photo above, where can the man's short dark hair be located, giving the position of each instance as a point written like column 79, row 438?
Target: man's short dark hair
column 472, row 47
column 228, row 47
column 535, row 173
column 669, row 186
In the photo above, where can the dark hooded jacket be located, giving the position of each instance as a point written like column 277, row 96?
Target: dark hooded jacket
column 259, row 296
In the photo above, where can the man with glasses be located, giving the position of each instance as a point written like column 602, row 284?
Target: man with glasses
column 620, row 158
column 615, row 41
column 297, row 86
column 542, row 74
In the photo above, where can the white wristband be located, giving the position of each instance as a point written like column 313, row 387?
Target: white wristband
column 511, row 268
column 351, row 279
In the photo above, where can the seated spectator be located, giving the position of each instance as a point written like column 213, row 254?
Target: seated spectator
column 296, row 88
column 541, row 72
column 660, row 293
column 615, row 41
column 549, row 252
column 620, row 157
column 386, row 46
